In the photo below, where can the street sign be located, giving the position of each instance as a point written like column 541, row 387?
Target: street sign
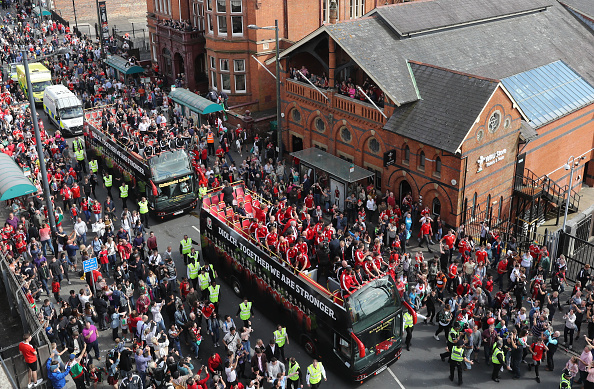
column 90, row 265
column 389, row 158
column 352, row 168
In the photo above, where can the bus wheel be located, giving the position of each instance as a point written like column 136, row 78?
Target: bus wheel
column 309, row 346
column 237, row 289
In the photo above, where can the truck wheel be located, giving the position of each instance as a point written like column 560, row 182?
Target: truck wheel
column 237, row 287
column 309, row 346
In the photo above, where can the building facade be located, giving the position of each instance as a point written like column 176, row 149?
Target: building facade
column 468, row 137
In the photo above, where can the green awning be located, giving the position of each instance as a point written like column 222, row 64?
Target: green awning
column 13, row 182
column 122, row 65
column 334, row 166
column 42, row 12
column 194, row 102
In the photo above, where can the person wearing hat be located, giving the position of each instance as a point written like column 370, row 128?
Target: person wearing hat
column 498, row 359
column 77, row 372
column 552, row 343
column 565, row 380
column 456, row 359
column 56, row 377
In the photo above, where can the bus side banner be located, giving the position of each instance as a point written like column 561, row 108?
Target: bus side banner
column 303, row 292
column 99, row 139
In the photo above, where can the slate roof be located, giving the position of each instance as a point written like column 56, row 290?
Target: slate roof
column 493, row 49
column 450, row 104
column 418, row 16
column 585, row 7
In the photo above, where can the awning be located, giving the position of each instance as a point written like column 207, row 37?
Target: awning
column 194, row 102
column 13, row 182
column 122, row 65
column 43, row 11
column 331, row 164
column 527, row 133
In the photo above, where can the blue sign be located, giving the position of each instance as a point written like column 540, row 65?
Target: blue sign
column 90, row 265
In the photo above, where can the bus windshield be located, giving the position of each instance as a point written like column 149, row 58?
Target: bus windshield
column 175, row 188
column 71, row 112
column 377, row 300
column 40, row 86
column 170, row 164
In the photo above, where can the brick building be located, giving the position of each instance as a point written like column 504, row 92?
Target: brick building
column 478, row 100
column 118, row 12
column 219, row 53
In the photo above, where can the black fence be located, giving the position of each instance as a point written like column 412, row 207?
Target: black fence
column 134, row 42
column 58, row 18
column 577, row 252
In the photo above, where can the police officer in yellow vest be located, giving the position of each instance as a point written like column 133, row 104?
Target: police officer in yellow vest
column 565, row 380
column 280, row 338
column 79, row 153
column 143, row 209
column 202, row 191
column 498, row 360
column 245, row 312
column 294, row 379
column 213, row 294
column 408, row 327
column 124, row 194
column 94, row 166
column 193, row 273
column 315, row 373
column 185, row 246
column 203, row 282
column 452, row 339
column 456, row 359
column 108, row 183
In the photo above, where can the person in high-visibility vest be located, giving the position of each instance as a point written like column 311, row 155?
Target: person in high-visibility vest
column 294, row 379
column 202, row 191
column 210, row 142
column 245, row 312
column 408, row 327
column 143, row 209
column 108, row 183
column 193, row 270
column 94, row 166
column 280, row 338
column 80, row 159
column 498, row 360
column 565, row 380
column 203, row 282
column 213, row 294
column 315, row 373
column 456, row 359
column 185, row 246
column 193, row 257
column 124, row 194
column 452, row 339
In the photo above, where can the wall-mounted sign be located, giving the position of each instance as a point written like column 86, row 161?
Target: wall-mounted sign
column 389, row 158
column 490, row 159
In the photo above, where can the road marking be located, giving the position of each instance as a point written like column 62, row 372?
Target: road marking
column 396, row 378
column 196, row 228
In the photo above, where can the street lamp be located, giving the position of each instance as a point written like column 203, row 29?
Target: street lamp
column 279, row 139
column 568, row 166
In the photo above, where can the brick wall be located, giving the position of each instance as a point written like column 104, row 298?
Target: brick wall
column 86, row 10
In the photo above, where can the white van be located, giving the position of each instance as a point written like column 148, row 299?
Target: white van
column 64, row 109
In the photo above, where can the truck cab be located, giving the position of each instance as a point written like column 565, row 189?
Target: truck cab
column 64, row 109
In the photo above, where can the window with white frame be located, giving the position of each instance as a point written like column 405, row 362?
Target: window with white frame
column 237, row 25
column 224, row 65
column 239, row 75
column 357, row 8
column 225, row 74
column 326, row 10
column 221, row 6
column 199, row 16
column 209, row 22
column 156, row 5
column 213, row 79
column 222, row 24
column 236, row 6
column 213, row 63
column 209, row 5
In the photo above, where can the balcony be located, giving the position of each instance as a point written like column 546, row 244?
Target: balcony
column 184, row 37
column 336, row 101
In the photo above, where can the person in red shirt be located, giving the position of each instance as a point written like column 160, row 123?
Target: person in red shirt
column 30, row 356
column 452, row 274
column 66, row 196
column 449, row 240
column 482, row 256
column 302, row 262
column 347, row 282
column 271, row 239
column 501, row 271
column 309, row 201
column 537, row 349
column 75, row 193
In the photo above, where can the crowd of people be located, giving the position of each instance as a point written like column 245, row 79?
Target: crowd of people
column 488, row 294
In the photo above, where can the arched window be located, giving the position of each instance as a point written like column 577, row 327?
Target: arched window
column 438, row 166
column 422, row 160
column 436, row 206
column 474, row 204
column 406, row 155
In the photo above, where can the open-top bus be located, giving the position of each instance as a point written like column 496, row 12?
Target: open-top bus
column 364, row 330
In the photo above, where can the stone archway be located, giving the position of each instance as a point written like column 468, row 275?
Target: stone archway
column 179, row 66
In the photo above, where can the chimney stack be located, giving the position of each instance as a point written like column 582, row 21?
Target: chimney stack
column 333, row 12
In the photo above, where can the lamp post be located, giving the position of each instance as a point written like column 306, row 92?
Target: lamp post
column 568, row 166
column 75, row 19
column 279, row 138
column 41, row 159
